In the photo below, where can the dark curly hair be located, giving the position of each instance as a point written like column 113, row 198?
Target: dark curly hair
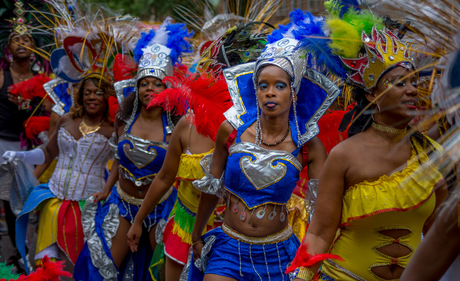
column 78, row 110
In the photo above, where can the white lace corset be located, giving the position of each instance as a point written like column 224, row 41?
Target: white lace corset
column 80, row 168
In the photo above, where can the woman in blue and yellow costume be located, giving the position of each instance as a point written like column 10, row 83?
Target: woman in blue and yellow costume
column 374, row 199
column 140, row 146
column 80, row 140
column 205, row 97
column 256, row 162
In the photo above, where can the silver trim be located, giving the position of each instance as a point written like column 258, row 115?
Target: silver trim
column 120, row 85
column 346, row 271
column 332, row 92
column 238, row 108
column 49, row 88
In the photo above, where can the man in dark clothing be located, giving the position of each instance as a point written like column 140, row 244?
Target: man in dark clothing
column 13, row 113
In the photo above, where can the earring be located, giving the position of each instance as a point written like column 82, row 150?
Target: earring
column 258, row 126
column 32, row 57
column 10, row 58
column 294, row 105
column 378, row 109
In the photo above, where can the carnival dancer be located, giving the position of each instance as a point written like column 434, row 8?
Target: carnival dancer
column 80, row 140
column 438, row 256
column 371, row 187
column 261, row 162
column 140, row 147
column 22, row 39
column 207, row 98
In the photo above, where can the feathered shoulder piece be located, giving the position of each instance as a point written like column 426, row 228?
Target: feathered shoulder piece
column 207, row 98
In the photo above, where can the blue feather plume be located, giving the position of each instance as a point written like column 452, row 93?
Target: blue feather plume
column 176, row 41
column 143, row 42
column 177, row 34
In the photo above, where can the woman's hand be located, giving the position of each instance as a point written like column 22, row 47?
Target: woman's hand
column 197, row 247
column 134, row 234
column 100, row 196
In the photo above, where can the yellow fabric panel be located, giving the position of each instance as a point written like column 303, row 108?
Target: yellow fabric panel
column 298, row 217
column 45, row 177
column 190, row 170
column 398, row 192
column 47, row 225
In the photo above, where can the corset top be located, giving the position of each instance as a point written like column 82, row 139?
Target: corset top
column 80, row 168
column 141, row 158
column 259, row 176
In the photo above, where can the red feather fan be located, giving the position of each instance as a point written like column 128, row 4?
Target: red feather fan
column 304, row 259
column 31, row 88
column 206, row 96
column 35, row 125
column 124, row 67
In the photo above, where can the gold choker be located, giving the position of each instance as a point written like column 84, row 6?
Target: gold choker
column 86, row 129
column 389, row 129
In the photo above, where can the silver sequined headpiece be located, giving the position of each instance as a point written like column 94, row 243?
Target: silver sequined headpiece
column 155, row 62
column 283, row 53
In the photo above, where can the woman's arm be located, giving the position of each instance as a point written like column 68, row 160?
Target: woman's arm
column 160, row 185
column 208, row 202
column 316, row 157
column 328, row 210
column 441, row 195
column 51, row 150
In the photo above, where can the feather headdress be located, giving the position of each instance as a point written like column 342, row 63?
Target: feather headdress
column 26, row 17
column 89, row 45
column 230, row 35
column 158, row 51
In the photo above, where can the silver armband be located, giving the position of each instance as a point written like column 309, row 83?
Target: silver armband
column 114, row 145
column 310, row 198
column 209, row 184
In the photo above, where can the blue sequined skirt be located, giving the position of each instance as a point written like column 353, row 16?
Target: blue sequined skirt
column 100, row 224
column 227, row 253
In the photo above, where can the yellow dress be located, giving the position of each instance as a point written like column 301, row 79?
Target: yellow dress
column 403, row 200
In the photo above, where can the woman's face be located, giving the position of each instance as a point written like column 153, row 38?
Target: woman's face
column 93, row 98
column 274, row 91
column 149, row 86
column 400, row 100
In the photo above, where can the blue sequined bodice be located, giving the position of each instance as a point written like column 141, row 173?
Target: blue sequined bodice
column 259, row 176
column 141, row 158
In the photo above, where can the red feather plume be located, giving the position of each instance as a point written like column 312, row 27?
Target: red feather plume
column 35, row 125
column 113, row 107
column 205, row 95
column 124, row 67
column 51, row 271
column 304, row 259
column 31, row 88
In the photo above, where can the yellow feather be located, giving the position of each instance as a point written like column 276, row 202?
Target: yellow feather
column 346, row 41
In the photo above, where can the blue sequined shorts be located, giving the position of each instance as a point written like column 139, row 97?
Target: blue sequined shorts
column 250, row 258
column 129, row 206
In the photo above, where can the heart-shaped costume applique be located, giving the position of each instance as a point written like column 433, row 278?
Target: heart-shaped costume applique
column 264, row 167
column 140, row 154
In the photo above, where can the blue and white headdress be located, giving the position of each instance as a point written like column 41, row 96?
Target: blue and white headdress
column 157, row 53
column 314, row 91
